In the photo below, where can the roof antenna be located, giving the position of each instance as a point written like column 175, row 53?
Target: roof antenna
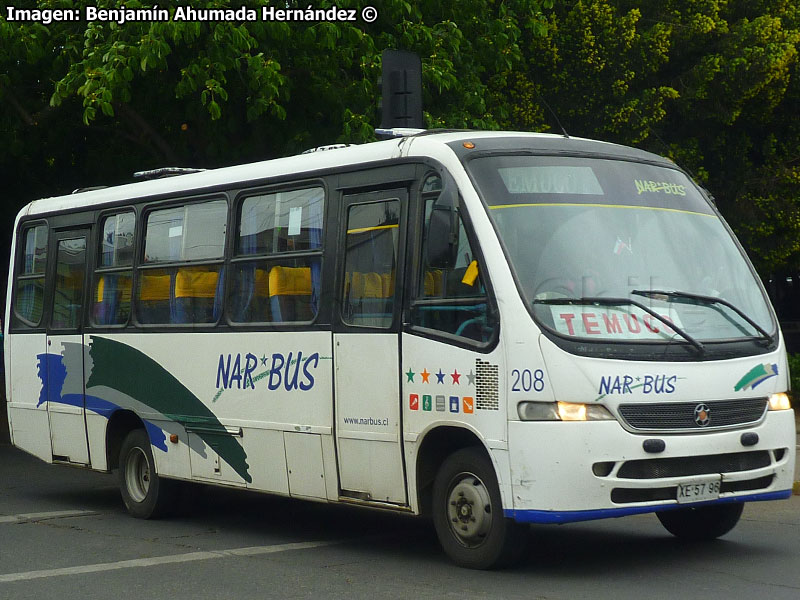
column 555, row 116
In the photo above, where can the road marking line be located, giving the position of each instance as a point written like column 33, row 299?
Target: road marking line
column 161, row 560
column 43, row 516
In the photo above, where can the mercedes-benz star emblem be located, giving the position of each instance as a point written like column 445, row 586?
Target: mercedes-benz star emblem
column 702, row 415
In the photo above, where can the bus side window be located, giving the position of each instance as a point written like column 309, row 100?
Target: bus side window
column 111, row 297
column 181, row 278
column 29, row 289
column 370, row 263
column 68, row 290
column 452, row 300
column 277, row 263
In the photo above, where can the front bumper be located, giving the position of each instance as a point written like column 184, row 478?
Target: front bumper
column 563, row 472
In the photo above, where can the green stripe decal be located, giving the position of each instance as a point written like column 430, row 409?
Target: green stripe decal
column 133, row 373
column 756, row 376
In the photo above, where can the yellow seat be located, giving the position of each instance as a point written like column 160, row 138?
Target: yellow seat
column 373, row 285
column 433, row 283
column 289, row 281
column 370, row 285
column 154, row 288
column 261, row 284
column 124, row 283
column 290, row 294
column 196, row 282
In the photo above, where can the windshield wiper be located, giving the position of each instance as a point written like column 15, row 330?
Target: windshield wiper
column 586, row 300
column 706, row 300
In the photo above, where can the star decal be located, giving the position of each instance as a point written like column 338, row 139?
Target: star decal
column 456, row 376
column 471, row 377
column 440, row 377
column 410, row 375
column 264, row 360
column 425, row 376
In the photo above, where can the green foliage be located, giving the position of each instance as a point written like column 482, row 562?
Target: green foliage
column 598, row 63
column 794, row 377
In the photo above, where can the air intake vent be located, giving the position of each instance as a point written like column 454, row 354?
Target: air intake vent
column 684, row 466
column 487, row 382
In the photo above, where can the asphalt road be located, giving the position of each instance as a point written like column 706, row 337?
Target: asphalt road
column 64, row 534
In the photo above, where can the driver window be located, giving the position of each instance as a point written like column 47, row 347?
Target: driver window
column 451, row 300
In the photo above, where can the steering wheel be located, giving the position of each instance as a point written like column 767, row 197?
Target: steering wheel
column 590, row 285
column 556, row 288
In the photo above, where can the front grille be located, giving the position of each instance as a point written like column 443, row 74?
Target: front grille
column 680, row 466
column 686, row 415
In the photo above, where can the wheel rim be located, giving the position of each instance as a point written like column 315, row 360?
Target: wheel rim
column 137, row 475
column 469, row 510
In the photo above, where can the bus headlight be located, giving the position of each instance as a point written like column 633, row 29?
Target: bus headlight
column 562, row 411
column 779, row 401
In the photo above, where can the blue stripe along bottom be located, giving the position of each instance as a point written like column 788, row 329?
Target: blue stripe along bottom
column 572, row 516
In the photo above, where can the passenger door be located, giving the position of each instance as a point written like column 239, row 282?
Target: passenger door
column 367, row 346
column 64, row 380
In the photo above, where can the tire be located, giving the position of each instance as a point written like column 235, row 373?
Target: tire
column 703, row 522
column 468, row 514
column 145, row 494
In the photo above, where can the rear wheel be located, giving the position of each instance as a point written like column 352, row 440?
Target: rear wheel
column 702, row 522
column 145, row 494
column 468, row 513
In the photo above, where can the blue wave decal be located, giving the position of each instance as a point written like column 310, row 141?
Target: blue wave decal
column 53, row 374
column 157, row 436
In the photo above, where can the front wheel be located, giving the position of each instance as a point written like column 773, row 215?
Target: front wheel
column 145, row 494
column 468, row 513
column 702, row 522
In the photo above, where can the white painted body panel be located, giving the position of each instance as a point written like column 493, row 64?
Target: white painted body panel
column 305, row 465
column 368, row 415
column 67, row 420
column 29, row 421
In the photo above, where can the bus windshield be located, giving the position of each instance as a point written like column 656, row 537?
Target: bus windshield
column 607, row 249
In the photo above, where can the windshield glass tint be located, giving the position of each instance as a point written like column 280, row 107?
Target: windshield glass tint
column 578, row 228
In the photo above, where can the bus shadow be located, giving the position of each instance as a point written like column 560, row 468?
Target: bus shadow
column 254, row 510
column 614, row 547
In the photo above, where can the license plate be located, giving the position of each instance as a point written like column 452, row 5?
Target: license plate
column 697, row 491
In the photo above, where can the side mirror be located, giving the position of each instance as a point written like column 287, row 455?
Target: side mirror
column 442, row 237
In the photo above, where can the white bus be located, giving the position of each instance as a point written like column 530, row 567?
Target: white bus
column 493, row 329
